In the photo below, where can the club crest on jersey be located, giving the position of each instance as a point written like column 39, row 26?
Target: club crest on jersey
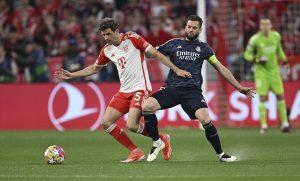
column 125, row 48
column 198, row 49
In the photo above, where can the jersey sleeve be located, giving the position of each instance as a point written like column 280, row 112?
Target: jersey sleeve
column 165, row 48
column 139, row 42
column 279, row 49
column 210, row 55
column 102, row 59
column 249, row 54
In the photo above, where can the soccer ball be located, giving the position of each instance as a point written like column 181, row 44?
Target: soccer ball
column 54, row 155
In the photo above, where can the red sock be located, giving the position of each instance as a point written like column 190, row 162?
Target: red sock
column 121, row 137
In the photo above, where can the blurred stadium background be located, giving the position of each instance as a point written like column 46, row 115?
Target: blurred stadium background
column 38, row 37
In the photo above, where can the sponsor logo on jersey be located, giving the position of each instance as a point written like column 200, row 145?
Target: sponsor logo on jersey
column 185, row 55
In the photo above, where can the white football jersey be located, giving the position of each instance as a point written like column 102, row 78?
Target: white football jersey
column 129, row 57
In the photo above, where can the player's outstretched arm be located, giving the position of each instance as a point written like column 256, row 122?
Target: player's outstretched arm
column 152, row 52
column 66, row 75
column 248, row 91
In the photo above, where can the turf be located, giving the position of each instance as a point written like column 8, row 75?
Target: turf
column 95, row 156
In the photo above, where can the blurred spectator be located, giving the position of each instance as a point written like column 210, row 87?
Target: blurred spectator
column 48, row 24
column 38, row 69
column 215, row 39
column 157, row 35
column 30, row 55
column 108, row 10
column 185, row 8
column 72, row 60
column 134, row 22
column 167, row 22
column 179, row 25
column 8, row 69
column 158, row 6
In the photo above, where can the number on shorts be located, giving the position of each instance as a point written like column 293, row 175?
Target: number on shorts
column 137, row 97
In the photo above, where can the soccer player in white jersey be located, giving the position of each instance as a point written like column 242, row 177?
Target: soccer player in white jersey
column 127, row 52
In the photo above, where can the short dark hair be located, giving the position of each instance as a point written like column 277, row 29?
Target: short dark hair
column 264, row 18
column 108, row 23
column 194, row 18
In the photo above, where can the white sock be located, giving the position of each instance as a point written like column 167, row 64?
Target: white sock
column 157, row 143
column 220, row 155
column 264, row 126
column 285, row 124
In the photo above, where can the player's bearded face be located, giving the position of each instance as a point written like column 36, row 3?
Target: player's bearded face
column 192, row 30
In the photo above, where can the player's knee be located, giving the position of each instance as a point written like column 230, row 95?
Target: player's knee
column 106, row 124
column 203, row 116
column 205, row 120
column 149, row 106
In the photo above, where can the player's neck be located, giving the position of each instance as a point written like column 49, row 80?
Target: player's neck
column 190, row 39
column 266, row 34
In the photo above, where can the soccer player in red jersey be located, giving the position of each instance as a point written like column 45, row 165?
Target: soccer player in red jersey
column 127, row 52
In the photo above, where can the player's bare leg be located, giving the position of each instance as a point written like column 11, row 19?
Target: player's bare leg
column 133, row 121
column 111, row 115
column 263, row 114
column 212, row 135
column 281, row 106
column 159, row 142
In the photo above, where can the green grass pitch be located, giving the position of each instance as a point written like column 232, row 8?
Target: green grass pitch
column 96, row 156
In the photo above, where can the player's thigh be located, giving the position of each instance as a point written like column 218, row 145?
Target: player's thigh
column 262, row 85
column 110, row 116
column 202, row 115
column 150, row 105
column 120, row 102
column 165, row 98
column 191, row 101
column 138, row 99
column 277, row 85
column 135, row 110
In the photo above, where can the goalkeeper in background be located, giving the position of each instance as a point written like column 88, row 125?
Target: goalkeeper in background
column 264, row 49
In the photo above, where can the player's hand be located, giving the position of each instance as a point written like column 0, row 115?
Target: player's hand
column 63, row 75
column 262, row 60
column 183, row 73
column 248, row 91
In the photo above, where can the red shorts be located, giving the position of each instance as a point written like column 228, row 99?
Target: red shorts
column 123, row 101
